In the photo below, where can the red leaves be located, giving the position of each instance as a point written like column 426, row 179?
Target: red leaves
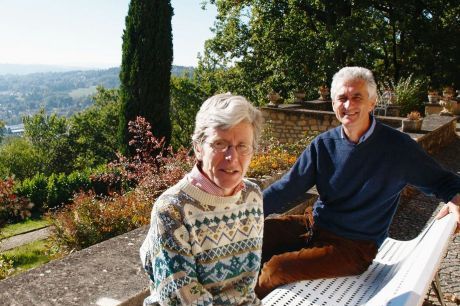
column 12, row 207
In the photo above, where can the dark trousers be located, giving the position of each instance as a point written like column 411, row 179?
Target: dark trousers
column 294, row 249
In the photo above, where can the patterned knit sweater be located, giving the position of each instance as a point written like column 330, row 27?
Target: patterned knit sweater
column 203, row 249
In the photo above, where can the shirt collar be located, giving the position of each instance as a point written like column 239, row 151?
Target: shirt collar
column 198, row 179
column 366, row 135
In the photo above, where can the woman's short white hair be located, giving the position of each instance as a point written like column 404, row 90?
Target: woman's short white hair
column 354, row 73
column 223, row 111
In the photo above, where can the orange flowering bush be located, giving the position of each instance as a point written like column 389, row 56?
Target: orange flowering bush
column 268, row 163
column 89, row 219
column 274, row 156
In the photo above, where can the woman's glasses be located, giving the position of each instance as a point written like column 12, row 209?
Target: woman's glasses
column 222, row 146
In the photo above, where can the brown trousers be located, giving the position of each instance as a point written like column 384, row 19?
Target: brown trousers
column 293, row 250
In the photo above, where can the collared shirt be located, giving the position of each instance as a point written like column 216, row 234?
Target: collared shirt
column 198, row 179
column 366, row 135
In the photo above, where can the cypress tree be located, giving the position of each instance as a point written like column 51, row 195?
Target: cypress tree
column 146, row 68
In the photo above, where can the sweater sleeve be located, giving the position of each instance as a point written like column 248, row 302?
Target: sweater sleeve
column 427, row 175
column 167, row 257
column 299, row 179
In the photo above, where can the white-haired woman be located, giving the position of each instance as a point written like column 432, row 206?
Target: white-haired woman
column 205, row 239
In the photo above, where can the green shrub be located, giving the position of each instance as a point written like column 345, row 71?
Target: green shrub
column 35, row 189
column 55, row 190
column 79, row 180
column 58, row 190
column 18, row 158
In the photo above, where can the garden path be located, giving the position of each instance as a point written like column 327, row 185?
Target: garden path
column 18, row 240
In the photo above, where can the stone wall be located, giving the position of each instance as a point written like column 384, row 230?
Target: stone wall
column 289, row 124
column 437, row 132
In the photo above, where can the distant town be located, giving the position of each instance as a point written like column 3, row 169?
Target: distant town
column 63, row 93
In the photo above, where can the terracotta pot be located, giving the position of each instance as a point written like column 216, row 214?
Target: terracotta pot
column 274, row 98
column 299, row 96
column 433, row 98
column 412, row 126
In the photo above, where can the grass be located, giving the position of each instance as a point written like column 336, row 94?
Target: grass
column 30, row 255
column 23, row 227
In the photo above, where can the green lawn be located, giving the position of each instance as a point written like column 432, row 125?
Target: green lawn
column 22, row 227
column 29, row 255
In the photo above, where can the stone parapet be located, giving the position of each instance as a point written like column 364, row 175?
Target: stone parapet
column 437, row 132
column 108, row 273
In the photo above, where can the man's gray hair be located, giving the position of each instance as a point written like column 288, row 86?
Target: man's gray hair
column 224, row 111
column 354, row 73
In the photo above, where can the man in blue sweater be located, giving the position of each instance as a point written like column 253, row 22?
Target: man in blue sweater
column 359, row 170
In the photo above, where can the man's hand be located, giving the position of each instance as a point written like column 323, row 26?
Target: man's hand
column 452, row 207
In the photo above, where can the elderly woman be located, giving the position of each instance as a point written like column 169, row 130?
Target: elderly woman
column 205, row 238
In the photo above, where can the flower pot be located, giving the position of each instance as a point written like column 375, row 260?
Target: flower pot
column 323, row 93
column 299, row 96
column 433, row 98
column 448, row 106
column 412, row 126
column 274, row 98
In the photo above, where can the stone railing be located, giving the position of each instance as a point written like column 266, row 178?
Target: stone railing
column 110, row 273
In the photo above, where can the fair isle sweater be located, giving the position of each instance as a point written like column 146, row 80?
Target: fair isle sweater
column 203, row 249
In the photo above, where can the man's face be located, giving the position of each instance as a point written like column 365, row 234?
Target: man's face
column 352, row 105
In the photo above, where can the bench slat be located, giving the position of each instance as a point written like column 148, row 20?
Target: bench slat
column 400, row 275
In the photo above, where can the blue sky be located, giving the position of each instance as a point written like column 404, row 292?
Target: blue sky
column 87, row 33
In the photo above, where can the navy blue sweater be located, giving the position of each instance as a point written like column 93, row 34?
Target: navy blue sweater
column 359, row 185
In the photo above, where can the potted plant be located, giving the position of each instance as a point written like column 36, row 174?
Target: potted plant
column 299, row 95
column 413, row 122
column 274, row 98
column 323, row 92
column 448, row 92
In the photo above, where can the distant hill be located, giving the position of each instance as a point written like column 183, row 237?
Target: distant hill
column 28, row 69
column 17, row 69
column 63, row 93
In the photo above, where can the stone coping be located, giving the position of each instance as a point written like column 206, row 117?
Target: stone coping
column 432, row 123
column 110, row 273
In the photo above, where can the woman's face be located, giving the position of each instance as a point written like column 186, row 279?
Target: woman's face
column 226, row 168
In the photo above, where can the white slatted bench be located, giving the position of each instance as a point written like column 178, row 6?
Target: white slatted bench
column 400, row 275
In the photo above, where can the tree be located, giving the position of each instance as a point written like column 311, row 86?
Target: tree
column 18, row 158
column 286, row 44
column 94, row 130
column 49, row 135
column 146, row 67
column 186, row 99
